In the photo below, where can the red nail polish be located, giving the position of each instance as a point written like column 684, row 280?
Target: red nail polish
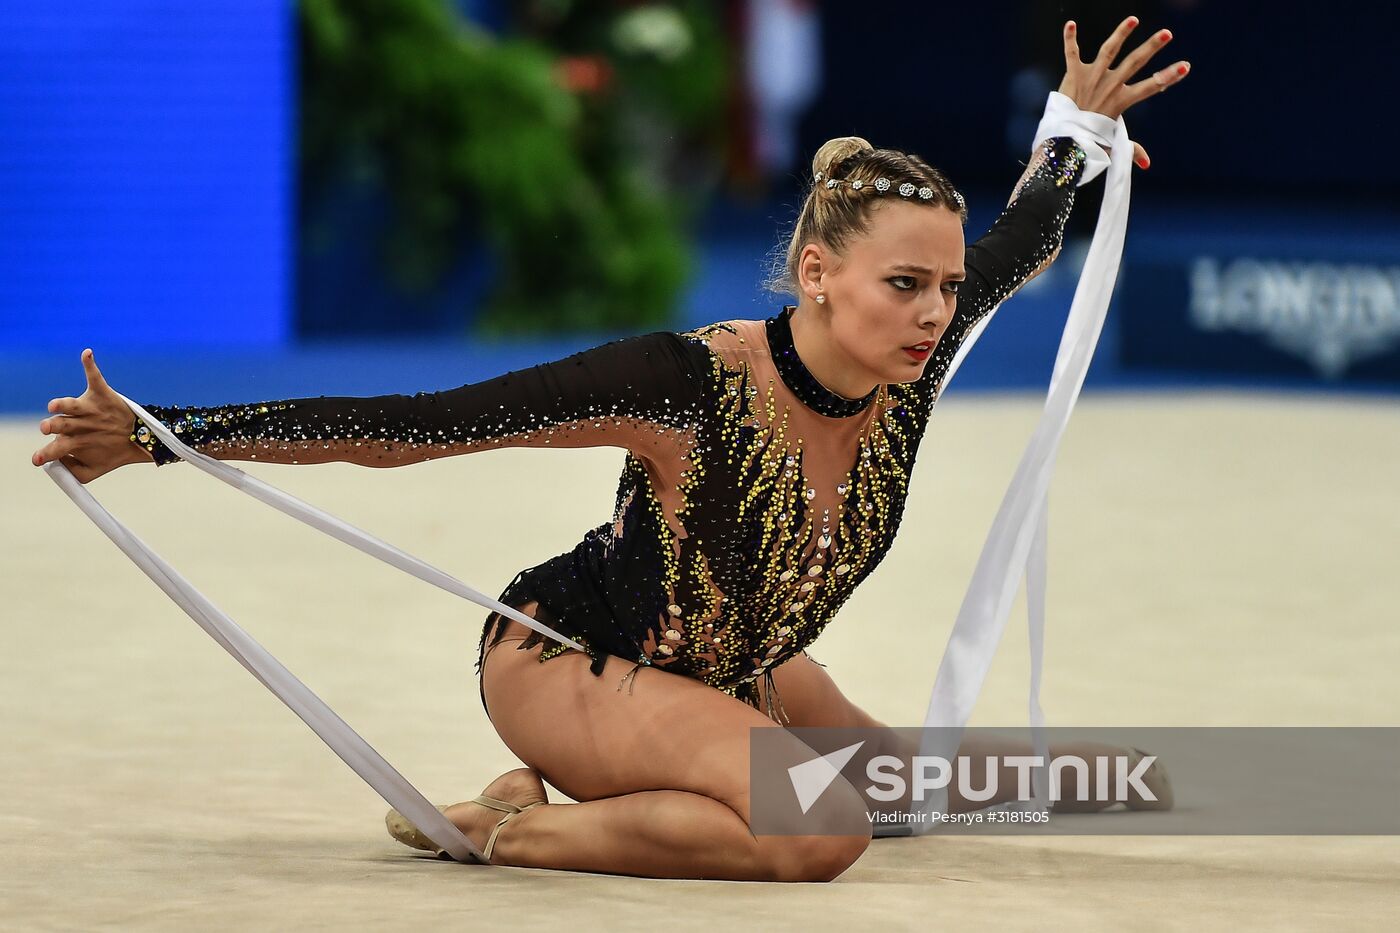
column 1070, row 26
column 1166, row 34
column 1182, row 69
column 1133, row 21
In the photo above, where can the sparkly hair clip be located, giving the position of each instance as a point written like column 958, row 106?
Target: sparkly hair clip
column 881, row 185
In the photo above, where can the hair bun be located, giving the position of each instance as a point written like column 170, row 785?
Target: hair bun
column 834, row 151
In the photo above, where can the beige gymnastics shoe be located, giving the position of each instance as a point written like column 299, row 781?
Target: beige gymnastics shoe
column 402, row 829
column 522, row 784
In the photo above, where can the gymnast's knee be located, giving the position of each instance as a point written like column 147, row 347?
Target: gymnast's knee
column 812, row 858
column 826, row 856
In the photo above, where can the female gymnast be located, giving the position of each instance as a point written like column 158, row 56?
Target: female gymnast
column 766, row 469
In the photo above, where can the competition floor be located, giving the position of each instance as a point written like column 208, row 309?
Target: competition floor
column 1215, row 560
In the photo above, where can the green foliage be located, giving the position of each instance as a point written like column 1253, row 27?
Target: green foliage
column 471, row 134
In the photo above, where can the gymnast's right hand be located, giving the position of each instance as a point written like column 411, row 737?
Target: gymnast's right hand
column 92, row 432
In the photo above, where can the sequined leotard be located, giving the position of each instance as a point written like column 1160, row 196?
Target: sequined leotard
column 752, row 500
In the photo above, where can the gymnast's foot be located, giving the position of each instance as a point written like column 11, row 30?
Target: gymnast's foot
column 521, row 788
column 1154, row 778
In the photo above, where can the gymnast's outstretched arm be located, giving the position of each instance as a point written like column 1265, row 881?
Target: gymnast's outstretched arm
column 638, row 393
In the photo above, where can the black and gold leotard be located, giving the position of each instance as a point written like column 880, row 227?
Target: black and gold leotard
column 752, row 500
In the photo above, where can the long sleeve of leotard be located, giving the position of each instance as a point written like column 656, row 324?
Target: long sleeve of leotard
column 1025, row 238
column 639, row 393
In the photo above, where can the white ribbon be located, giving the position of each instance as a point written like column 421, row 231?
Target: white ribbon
column 1016, row 543
column 333, row 730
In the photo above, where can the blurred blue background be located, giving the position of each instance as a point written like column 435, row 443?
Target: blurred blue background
column 255, row 200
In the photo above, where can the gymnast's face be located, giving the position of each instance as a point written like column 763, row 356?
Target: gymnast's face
column 890, row 295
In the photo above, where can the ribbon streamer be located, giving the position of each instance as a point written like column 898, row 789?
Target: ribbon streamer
column 344, row 741
column 1016, row 543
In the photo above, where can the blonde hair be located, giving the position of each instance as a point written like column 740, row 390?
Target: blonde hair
column 833, row 215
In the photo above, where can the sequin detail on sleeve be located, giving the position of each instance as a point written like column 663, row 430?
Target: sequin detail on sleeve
column 639, row 394
column 1022, row 242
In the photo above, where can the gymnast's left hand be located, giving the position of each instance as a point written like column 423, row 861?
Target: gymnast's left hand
column 1101, row 88
column 93, row 430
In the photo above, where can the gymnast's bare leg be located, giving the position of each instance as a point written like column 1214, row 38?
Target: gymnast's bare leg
column 661, row 775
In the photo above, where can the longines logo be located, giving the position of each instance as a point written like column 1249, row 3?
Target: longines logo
column 1330, row 315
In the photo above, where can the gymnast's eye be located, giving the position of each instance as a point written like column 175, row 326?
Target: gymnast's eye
column 910, row 281
column 952, row 287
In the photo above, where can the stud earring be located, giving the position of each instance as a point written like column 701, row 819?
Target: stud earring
column 821, row 299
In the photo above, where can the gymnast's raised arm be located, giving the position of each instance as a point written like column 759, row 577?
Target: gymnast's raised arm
column 1026, row 237
column 637, row 393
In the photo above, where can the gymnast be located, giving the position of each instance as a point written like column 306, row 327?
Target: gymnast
column 766, row 470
